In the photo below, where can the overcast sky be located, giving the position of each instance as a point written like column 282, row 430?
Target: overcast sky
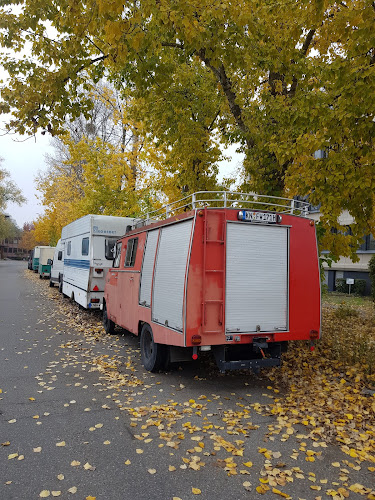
column 23, row 160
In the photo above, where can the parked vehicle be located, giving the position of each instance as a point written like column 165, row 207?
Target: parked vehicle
column 88, row 254
column 45, row 259
column 36, row 256
column 30, row 260
column 237, row 275
column 57, row 266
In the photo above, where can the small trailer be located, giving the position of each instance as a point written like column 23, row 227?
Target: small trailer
column 57, row 266
column 36, row 256
column 45, row 259
column 88, row 254
column 231, row 273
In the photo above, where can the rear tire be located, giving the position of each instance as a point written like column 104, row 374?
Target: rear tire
column 109, row 325
column 60, row 285
column 152, row 354
column 51, row 283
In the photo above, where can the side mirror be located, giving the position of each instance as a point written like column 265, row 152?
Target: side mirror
column 49, row 262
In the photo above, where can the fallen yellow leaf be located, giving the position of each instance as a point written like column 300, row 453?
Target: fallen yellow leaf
column 196, row 491
column 44, row 494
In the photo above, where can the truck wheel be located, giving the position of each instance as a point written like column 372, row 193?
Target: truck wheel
column 40, row 277
column 60, row 285
column 51, row 283
column 152, row 354
column 109, row 325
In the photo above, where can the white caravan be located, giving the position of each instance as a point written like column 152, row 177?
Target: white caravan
column 88, row 254
column 57, row 267
column 45, row 259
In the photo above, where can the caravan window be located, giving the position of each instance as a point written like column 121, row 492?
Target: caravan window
column 69, row 249
column 116, row 262
column 59, row 255
column 110, row 248
column 131, row 252
column 85, row 246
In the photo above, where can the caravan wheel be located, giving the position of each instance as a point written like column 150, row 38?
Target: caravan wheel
column 109, row 325
column 152, row 354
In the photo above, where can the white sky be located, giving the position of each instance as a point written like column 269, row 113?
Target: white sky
column 24, row 159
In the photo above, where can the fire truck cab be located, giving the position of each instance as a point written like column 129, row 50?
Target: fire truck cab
column 231, row 273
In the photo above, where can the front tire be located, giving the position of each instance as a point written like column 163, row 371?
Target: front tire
column 109, row 325
column 51, row 283
column 152, row 354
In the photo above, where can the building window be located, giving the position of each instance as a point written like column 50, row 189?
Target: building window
column 368, row 243
column 85, row 246
column 131, row 252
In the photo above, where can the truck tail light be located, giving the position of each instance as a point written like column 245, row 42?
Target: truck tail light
column 95, row 289
column 95, row 301
column 314, row 334
column 196, row 339
column 98, row 271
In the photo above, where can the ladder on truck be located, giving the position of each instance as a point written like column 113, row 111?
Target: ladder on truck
column 213, row 278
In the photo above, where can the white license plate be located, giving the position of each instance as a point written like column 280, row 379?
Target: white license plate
column 260, row 217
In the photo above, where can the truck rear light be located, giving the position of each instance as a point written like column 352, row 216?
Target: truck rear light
column 95, row 301
column 314, row 334
column 95, row 289
column 98, row 271
column 196, row 339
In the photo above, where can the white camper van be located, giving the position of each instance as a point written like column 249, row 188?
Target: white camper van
column 57, row 267
column 88, row 254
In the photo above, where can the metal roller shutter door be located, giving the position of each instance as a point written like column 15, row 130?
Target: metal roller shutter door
column 256, row 296
column 148, row 268
column 169, row 278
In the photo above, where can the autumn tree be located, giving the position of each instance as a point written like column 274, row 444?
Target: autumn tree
column 9, row 192
column 98, row 167
column 283, row 79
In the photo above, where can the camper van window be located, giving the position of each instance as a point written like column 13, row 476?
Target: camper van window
column 110, row 248
column 69, row 249
column 59, row 255
column 131, row 252
column 116, row 262
column 85, row 246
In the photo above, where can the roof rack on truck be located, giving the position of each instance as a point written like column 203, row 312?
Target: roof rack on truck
column 225, row 199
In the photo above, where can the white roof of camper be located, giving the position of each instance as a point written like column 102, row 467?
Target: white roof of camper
column 101, row 225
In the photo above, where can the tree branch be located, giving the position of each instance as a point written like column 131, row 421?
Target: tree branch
column 92, row 61
column 226, row 85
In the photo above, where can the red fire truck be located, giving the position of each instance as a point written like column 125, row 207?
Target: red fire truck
column 232, row 273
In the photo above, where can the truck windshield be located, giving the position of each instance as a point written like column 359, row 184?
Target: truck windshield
column 110, row 248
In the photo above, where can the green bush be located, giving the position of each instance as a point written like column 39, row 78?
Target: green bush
column 341, row 285
column 359, row 287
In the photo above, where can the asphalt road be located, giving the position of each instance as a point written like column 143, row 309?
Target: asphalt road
column 80, row 417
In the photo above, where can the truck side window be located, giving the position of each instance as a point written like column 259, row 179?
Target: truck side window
column 116, row 262
column 69, row 249
column 85, row 246
column 110, row 248
column 59, row 255
column 131, row 252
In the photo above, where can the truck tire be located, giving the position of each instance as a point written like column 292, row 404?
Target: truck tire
column 51, row 283
column 60, row 284
column 152, row 354
column 109, row 325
